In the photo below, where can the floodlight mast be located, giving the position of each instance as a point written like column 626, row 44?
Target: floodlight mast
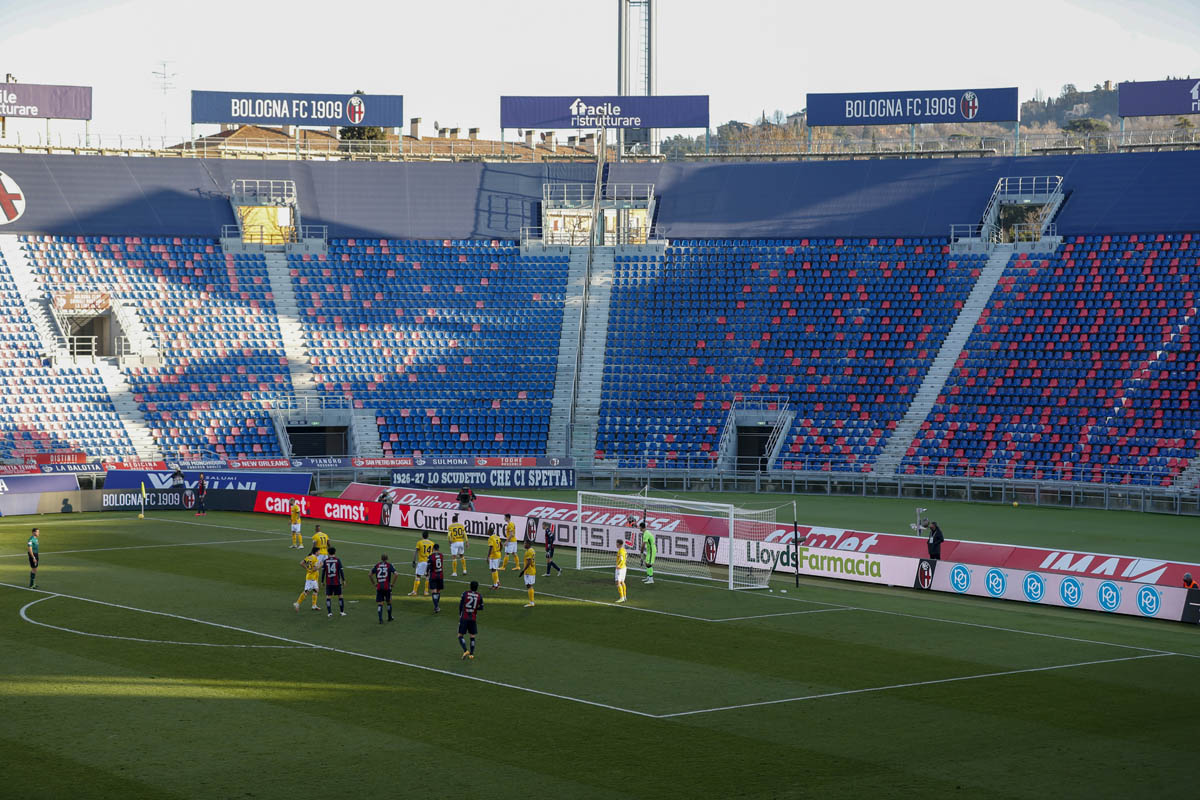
column 637, row 33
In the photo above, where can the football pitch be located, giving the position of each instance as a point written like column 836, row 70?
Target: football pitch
column 163, row 658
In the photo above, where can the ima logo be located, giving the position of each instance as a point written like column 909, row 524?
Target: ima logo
column 969, row 105
column 12, row 200
column 356, row 109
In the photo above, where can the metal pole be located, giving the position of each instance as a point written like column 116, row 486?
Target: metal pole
column 796, row 544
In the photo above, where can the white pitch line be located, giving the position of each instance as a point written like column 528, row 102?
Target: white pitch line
column 831, row 605
column 31, row 621
column 341, row 651
column 783, row 614
column 911, row 685
column 136, row 547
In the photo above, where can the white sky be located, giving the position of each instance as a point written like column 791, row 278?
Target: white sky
column 453, row 60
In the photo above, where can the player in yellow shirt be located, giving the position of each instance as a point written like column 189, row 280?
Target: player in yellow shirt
column 495, row 545
column 297, row 538
column 421, row 563
column 321, row 541
column 510, row 544
column 529, row 571
column 622, row 559
column 457, row 534
column 312, row 566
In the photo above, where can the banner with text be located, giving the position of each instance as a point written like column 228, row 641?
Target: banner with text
column 294, row 482
column 314, row 507
column 286, row 108
column 610, row 111
column 496, row 478
column 1158, row 98
column 914, row 107
column 44, row 101
column 1048, row 588
column 1097, row 565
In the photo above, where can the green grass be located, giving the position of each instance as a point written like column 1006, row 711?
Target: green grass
column 240, row 696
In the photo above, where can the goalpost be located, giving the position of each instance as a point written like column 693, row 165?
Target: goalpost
column 710, row 541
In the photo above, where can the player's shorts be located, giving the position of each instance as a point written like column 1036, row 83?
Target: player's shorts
column 549, row 553
column 510, row 547
column 422, row 569
column 437, row 584
column 530, row 579
column 648, row 559
column 334, row 590
column 619, row 574
column 468, row 626
column 458, row 548
column 33, row 562
column 295, row 527
column 383, row 595
column 311, row 586
column 493, row 563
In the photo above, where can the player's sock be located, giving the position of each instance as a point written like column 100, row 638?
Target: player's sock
column 300, row 599
column 379, row 612
column 437, row 598
column 341, row 605
column 463, row 642
column 389, row 612
column 472, row 645
column 495, row 578
column 416, row 585
column 504, row 563
column 32, row 579
column 531, row 594
column 329, row 606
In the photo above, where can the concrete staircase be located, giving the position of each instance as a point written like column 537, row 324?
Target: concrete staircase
column 131, row 416
column 36, row 300
column 364, row 434
column 591, row 360
column 935, row 379
column 568, row 348
column 286, row 308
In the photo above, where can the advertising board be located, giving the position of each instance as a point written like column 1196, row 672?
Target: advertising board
column 913, row 107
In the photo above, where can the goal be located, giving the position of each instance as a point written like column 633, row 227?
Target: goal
column 709, row 541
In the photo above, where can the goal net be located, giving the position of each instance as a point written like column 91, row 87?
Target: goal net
column 710, row 541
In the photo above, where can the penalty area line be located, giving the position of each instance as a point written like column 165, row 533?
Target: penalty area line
column 344, row 652
column 914, row 684
column 137, row 547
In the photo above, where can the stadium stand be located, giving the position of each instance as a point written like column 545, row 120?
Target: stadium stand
column 45, row 408
column 213, row 317
column 1082, row 368
column 453, row 343
column 843, row 328
column 831, row 285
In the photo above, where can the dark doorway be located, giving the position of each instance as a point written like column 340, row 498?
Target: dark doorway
column 752, row 444
column 318, row 440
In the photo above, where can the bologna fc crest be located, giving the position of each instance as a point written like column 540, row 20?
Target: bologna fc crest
column 356, row 109
column 189, row 498
column 969, row 105
column 925, row 574
column 709, row 556
column 12, row 200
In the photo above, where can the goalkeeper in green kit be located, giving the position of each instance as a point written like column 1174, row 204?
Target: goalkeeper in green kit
column 649, row 552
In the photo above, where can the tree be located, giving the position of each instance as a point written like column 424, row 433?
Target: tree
column 1085, row 125
column 1184, row 124
column 372, row 133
